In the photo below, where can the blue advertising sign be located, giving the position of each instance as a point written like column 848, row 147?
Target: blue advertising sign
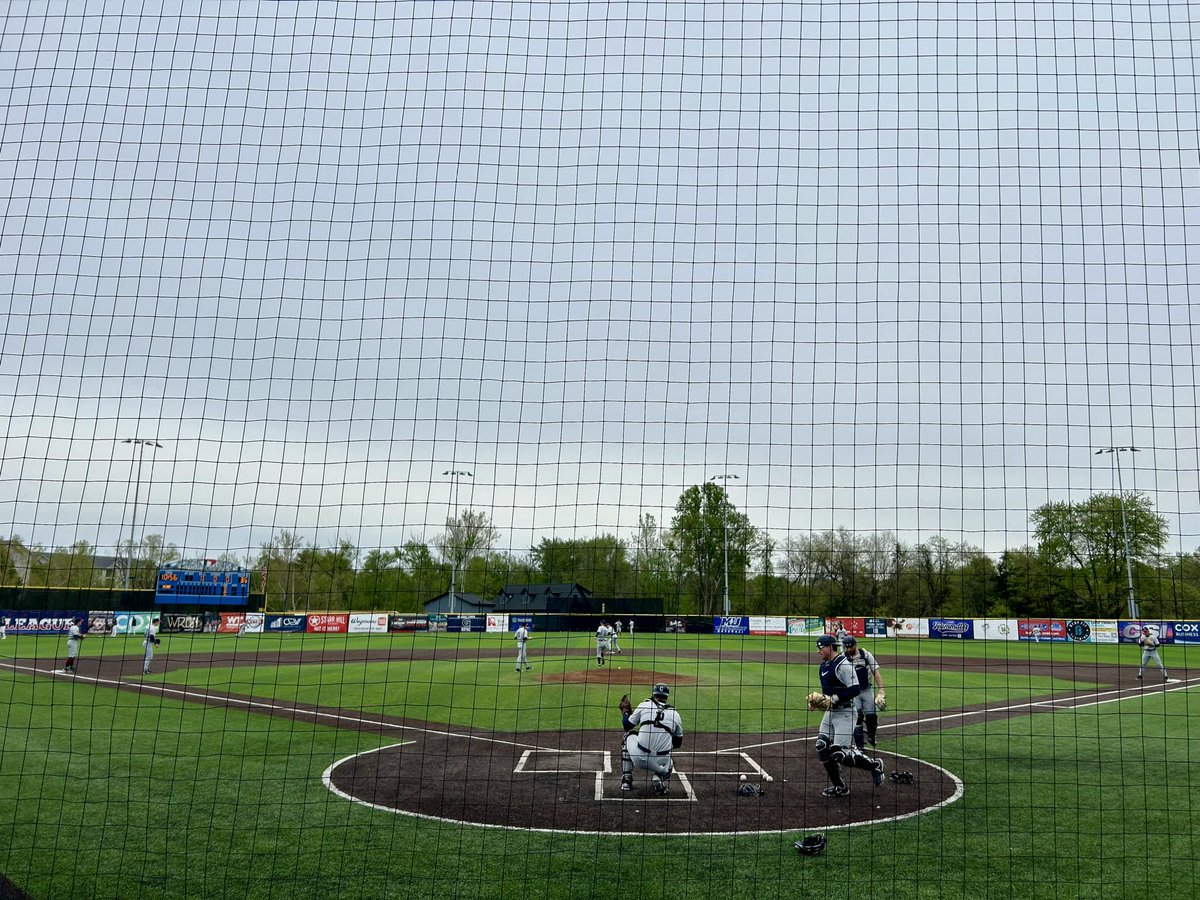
column 1128, row 632
column 515, row 622
column 286, row 624
column 35, row 622
column 466, row 623
column 731, row 624
column 957, row 629
column 875, row 627
column 1186, row 632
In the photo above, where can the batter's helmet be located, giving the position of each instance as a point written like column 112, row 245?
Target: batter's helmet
column 812, row 845
column 660, row 690
column 826, row 640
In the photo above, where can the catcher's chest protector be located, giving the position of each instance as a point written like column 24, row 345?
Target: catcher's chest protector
column 829, row 680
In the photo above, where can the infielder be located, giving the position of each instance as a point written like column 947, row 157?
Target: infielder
column 614, row 643
column 150, row 641
column 652, row 731
column 1149, row 644
column 835, row 747
column 866, row 704
column 74, row 636
column 602, row 634
column 521, row 636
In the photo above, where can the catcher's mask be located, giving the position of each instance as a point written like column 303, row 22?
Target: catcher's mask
column 660, row 690
column 826, row 640
column 812, row 845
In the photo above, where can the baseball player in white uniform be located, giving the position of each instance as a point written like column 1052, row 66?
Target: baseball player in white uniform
column 150, row 641
column 602, row 636
column 652, row 730
column 835, row 741
column 74, row 636
column 521, row 636
column 866, row 714
column 1149, row 644
column 615, row 640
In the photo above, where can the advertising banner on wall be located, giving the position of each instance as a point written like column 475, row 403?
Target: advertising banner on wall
column 328, row 623
column 288, row 623
column 731, row 624
column 497, row 622
column 952, row 629
column 466, row 623
column 132, row 622
column 1185, row 632
column 367, row 623
column 255, row 622
column 810, row 625
column 768, row 624
column 1103, row 631
column 231, row 623
column 875, row 627
column 181, row 623
column 1038, row 630
column 32, row 622
column 515, row 622
column 408, row 623
column 994, row 629
column 857, row 627
column 909, row 628
column 1130, row 631
column 101, row 621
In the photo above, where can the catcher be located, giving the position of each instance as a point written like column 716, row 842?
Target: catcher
column 835, row 742
column 866, row 703
column 652, row 731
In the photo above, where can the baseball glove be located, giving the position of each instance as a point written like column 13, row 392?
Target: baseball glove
column 624, row 705
column 818, row 701
column 881, row 700
column 812, row 845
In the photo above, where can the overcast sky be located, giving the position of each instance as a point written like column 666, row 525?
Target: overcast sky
column 896, row 265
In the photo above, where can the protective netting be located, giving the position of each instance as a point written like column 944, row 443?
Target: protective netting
column 340, row 342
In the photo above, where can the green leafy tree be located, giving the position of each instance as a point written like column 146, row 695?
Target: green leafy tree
column 73, row 566
column 325, row 577
column 1085, row 544
column 13, row 556
column 467, row 535
column 278, row 558
column 601, row 564
column 703, row 515
column 149, row 555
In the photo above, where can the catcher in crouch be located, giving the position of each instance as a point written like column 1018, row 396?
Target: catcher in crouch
column 835, row 739
column 652, row 731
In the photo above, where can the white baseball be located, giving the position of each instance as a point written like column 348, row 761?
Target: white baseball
column 742, row 778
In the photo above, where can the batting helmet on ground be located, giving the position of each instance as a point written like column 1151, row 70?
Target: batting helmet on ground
column 812, row 845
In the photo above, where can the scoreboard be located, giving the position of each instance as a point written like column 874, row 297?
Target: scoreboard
column 201, row 585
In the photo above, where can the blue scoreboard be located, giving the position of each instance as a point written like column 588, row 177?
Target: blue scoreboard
column 202, row 586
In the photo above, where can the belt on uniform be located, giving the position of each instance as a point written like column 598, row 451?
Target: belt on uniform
column 646, row 749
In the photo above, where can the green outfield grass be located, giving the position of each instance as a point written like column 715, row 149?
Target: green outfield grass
column 111, row 793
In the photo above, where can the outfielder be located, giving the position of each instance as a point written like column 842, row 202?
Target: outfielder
column 866, row 704
column 521, row 636
column 602, row 634
column 835, row 747
column 1149, row 644
column 74, row 636
column 614, row 644
column 652, row 731
column 150, row 641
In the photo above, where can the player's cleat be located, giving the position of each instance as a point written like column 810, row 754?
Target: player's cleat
column 627, row 783
column 660, row 786
column 836, row 790
column 1166, row 677
column 877, row 774
column 871, row 741
column 1139, row 676
column 527, row 668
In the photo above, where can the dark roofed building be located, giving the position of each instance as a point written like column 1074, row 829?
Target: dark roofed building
column 463, row 605
column 544, row 598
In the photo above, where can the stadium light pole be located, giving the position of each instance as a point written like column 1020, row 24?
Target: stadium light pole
column 724, row 479
column 141, row 444
column 1116, row 455
column 455, row 475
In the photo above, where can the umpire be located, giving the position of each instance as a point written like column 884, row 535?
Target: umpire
column 835, row 742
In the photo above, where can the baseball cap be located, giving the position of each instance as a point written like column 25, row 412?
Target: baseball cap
column 826, row 640
column 849, row 641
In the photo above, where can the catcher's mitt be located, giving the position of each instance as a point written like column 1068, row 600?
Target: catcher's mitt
column 819, row 701
column 749, row 790
column 624, row 705
column 902, row 777
column 812, row 845
column 881, row 700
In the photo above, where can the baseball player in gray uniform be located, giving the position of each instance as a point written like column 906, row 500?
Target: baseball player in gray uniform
column 1149, row 644
column 866, row 713
column 150, row 642
column 74, row 636
column 835, row 741
column 614, row 644
column 602, row 635
column 652, row 731
column 521, row 636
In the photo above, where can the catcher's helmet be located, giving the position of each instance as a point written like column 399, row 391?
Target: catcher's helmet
column 811, row 845
column 849, row 641
column 826, row 640
column 660, row 690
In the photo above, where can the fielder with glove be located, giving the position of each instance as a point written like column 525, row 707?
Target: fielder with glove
column 866, row 704
column 150, row 642
column 835, row 739
column 652, row 730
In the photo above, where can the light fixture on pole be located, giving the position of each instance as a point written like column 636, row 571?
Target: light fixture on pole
column 455, row 570
column 1116, row 454
column 724, row 479
column 141, row 444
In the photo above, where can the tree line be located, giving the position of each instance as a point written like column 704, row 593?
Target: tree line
column 1076, row 567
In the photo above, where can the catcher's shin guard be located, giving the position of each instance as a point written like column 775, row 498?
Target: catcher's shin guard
column 859, row 737
column 872, row 727
column 626, row 761
column 824, row 748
